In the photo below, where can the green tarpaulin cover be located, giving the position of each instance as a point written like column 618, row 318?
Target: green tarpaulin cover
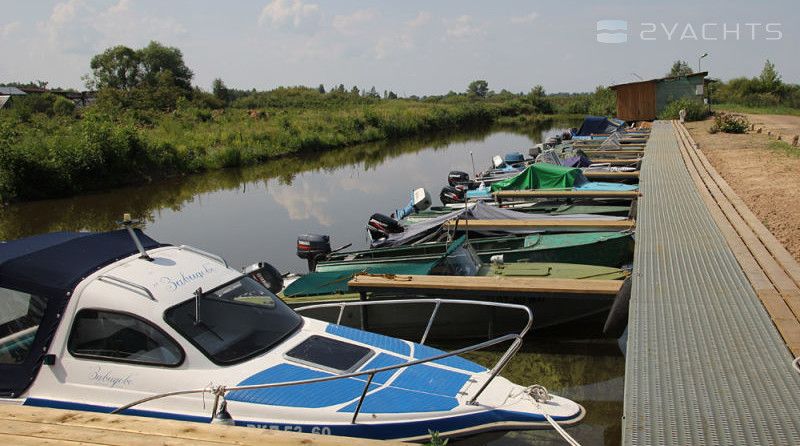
column 543, row 176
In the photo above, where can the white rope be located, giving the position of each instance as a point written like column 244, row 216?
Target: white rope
column 539, row 394
column 561, row 431
column 796, row 364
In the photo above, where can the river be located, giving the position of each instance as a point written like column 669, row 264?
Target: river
column 256, row 213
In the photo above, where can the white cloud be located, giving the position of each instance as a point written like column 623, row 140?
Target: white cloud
column 461, row 27
column 349, row 23
column 280, row 12
column 302, row 202
column 389, row 45
column 10, row 28
column 525, row 19
column 77, row 26
column 422, row 18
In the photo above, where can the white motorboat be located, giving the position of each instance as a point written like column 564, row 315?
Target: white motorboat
column 116, row 321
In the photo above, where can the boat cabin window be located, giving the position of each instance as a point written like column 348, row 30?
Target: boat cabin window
column 234, row 322
column 121, row 337
column 20, row 315
column 330, row 354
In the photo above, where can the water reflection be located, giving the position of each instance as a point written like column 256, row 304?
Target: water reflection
column 255, row 214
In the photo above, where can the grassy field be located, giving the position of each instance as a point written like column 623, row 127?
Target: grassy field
column 777, row 110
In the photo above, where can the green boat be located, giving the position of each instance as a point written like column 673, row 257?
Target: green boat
column 548, row 208
column 550, row 309
column 612, row 249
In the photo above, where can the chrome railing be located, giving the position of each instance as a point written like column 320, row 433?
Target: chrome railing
column 220, row 391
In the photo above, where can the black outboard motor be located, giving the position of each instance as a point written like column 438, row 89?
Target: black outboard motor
column 313, row 248
column 380, row 226
column 267, row 275
column 457, row 177
column 566, row 136
column 452, row 195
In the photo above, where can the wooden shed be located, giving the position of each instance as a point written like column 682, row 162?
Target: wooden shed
column 643, row 101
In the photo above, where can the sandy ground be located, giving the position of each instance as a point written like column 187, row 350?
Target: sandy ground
column 766, row 178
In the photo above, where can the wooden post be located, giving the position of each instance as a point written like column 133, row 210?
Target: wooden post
column 794, row 140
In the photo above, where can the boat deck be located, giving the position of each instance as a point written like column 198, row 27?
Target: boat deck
column 713, row 325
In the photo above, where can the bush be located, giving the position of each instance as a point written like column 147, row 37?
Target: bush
column 728, row 123
column 695, row 111
column 64, row 107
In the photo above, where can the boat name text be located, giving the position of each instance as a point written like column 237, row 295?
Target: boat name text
column 108, row 379
column 174, row 283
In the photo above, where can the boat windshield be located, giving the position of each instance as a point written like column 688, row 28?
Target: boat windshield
column 234, row 322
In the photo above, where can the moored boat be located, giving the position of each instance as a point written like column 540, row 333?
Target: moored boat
column 118, row 321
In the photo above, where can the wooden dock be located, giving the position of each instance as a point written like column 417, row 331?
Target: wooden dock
column 545, row 193
column 545, row 225
column 499, row 284
column 24, row 426
column 612, row 176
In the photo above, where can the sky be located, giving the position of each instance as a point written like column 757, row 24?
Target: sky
column 409, row 47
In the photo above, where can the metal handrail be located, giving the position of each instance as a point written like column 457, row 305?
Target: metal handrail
column 118, row 281
column 220, row 391
column 205, row 254
column 501, row 363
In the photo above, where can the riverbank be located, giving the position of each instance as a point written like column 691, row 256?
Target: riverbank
column 46, row 157
column 762, row 170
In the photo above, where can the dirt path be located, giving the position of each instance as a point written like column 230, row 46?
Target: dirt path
column 764, row 175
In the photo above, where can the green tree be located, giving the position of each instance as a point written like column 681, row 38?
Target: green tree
column 321, row 89
column 160, row 64
column 479, row 88
column 116, row 67
column 220, row 91
column 770, row 79
column 680, row 68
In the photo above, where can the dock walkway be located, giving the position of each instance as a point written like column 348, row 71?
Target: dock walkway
column 707, row 361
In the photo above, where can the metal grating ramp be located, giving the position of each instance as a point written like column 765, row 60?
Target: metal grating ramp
column 704, row 364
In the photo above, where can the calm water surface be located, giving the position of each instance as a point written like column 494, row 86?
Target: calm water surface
column 255, row 214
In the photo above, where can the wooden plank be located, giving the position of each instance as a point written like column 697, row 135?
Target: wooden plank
column 615, row 152
column 565, row 225
column 410, row 283
column 613, row 161
column 545, row 193
column 612, row 175
column 67, row 427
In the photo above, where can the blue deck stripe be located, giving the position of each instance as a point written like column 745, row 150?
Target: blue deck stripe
column 423, row 351
column 384, row 342
column 313, row 395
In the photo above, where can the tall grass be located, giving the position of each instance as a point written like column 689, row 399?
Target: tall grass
column 43, row 156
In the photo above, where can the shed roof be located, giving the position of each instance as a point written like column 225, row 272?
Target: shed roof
column 662, row 79
column 11, row 91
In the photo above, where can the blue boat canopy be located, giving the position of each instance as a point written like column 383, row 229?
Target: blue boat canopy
column 599, row 124
column 49, row 267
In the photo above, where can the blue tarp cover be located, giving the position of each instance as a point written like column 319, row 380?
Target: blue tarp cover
column 598, row 124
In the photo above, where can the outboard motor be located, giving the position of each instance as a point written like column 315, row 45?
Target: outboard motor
column 451, row 195
column 266, row 275
column 566, row 136
column 457, row 177
column 536, row 150
column 497, row 162
column 420, row 200
column 380, row 226
column 313, row 247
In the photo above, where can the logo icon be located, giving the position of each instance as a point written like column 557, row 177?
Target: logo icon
column 612, row 31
